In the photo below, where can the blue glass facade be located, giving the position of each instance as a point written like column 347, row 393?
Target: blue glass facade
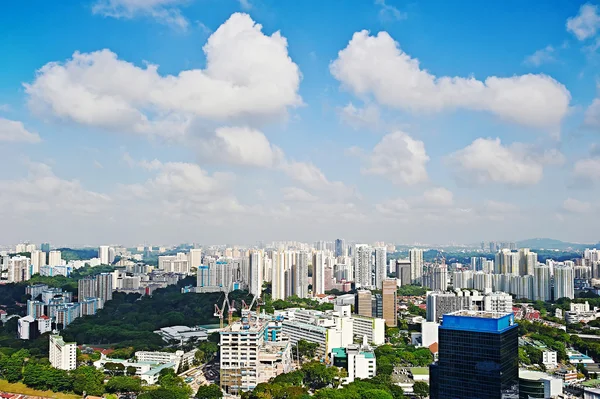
column 478, row 358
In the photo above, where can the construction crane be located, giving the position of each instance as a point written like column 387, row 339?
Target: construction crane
column 231, row 309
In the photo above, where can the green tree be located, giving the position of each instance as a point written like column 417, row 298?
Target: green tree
column 88, row 379
column 307, row 349
column 122, row 384
column 131, row 371
column 421, row 389
column 114, row 369
column 209, row 392
column 317, row 375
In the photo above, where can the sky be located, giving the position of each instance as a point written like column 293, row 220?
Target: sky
column 238, row 121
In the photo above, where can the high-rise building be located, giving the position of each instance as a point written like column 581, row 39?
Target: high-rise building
column 301, row 275
column 363, row 303
column 256, row 272
column 390, row 313
column 438, row 278
column 38, row 259
column 403, row 271
column 477, row 263
column 380, row 266
column 86, row 288
column 104, row 286
column 362, row 265
column 195, row 257
column 527, row 261
column 415, row 256
column 19, row 269
column 54, row 258
column 318, row 273
column 103, row 254
column 498, row 302
column 278, row 276
column 477, row 357
column 564, row 286
column 45, row 247
column 63, row 355
column 340, row 247
column 541, row 283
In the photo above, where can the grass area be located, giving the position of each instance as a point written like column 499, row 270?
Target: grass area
column 419, row 370
column 591, row 383
column 21, row 388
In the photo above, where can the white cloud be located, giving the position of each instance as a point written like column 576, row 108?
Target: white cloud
column 5, row 107
column 240, row 146
column 399, row 158
column 313, row 178
column 542, row 56
column 438, row 196
column 295, row 194
column 181, row 178
column 245, row 4
column 376, row 65
column 587, row 169
column 488, row 160
column 247, row 75
column 42, row 191
column 500, row 207
column 360, row 118
column 395, row 207
column 576, row 206
column 164, row 11
column 14, row 131
column 591, row 117
column 585, row 24
column 388, row 12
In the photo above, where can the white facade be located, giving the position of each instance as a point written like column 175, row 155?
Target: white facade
column 38, row 259
column 380, row 266
column 54, row 258
column 19, row 269
column 415, row 256
column 195, row 257
column 541, row 283
column 370, row 327
column 256, row 272
column 318, row 273
column 63, row 355
column 361, row 363
column 362, row 265
column 178, row 358
column 103, row 254
column 498, row 302
column 564, row 282
column 429, row 333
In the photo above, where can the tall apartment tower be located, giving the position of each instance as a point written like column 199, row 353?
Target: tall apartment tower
column 63, row 355
column 86, row 288
column 380, row 266
column 103, row 254
column 104, row 286
column 541, row 283
column 54, row 258
column 564, row 286
column 318, row 279
column 301, row 275
column 477, row 357
column 364, row 306
column 415, row 256
column 403, row 271
column 278, row 276
column 256, row 272
column 362, row 265
column 390, row 313
column 527, row 262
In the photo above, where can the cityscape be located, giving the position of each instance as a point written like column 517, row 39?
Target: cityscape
column 267, row 199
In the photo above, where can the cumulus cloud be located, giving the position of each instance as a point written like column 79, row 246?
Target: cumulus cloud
column 42, row 191
column 309, row 175
column 295, row 194
column 587, row 169
column 542, row 56
column 576, row 206
column 399, row 158
column 245, row 4
column 438, row 196
column 376, row 65
column 586, row 23
column 488, row 160
column 240, row 146
column 164, row 11
column 393, row 207
column 367, row 117
column 15, row 131
column 500, row 207
column 248, row 75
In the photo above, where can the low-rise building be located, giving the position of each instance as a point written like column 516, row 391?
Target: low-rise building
column 358, row 360
column 535, row 384
column 178, row 358
column 182, row 334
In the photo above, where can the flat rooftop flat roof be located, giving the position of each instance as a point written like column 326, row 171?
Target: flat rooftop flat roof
column 479, row 314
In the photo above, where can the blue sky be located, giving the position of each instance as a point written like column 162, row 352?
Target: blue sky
column 228, row 121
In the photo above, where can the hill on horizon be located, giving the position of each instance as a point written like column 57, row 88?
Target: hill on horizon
column 550, row 243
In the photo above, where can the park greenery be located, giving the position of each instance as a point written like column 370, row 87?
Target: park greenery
column 411, row 290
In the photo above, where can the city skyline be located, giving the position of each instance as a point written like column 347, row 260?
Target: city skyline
column 239, row 121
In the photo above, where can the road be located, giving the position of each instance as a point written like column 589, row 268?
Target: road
column 201, row 375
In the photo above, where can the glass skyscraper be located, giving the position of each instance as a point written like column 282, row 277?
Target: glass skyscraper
column 477, row 357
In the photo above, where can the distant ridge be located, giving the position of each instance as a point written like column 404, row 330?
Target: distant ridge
column 550, row 243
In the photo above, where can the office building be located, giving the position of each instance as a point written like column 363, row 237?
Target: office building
column 380, row 266
column 390, row 313
column 477, row 357
column 340, row 247
column 535, row 384
column 362, row 266
column 415, row 256
column 403, row 272
column 63, row 355
column 363, row 305
column 564, row 279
